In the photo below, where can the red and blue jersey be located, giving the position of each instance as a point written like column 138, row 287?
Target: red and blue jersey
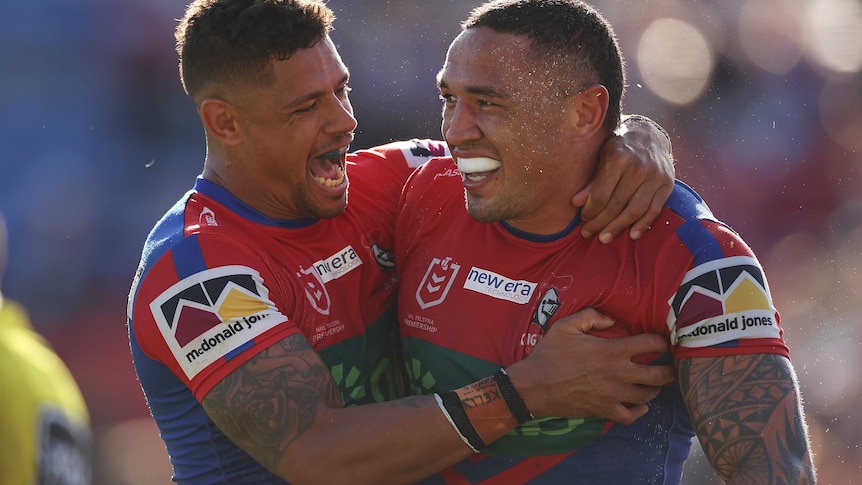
column 477, row 296
column 219, row 282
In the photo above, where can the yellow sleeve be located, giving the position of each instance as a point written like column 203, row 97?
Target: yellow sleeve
column 42, row 410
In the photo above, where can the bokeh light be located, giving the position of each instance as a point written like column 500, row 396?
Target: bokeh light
column 835, row 30
column 771, row 34
column 841, row 111
column 675, row 60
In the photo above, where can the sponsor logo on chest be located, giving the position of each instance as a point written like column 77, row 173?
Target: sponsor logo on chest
column 499, row 286
column 338, row 265
column 441, row 274
column 314, row 279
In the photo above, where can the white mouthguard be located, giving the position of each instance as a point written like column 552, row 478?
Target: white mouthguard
column 476, row 165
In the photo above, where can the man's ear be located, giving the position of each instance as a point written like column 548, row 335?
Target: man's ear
column 220, row 119
column 588, row 110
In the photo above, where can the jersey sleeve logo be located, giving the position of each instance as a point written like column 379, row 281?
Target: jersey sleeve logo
column 416, row 152
column 436, row 283
column 721, row 301
column 214, row 314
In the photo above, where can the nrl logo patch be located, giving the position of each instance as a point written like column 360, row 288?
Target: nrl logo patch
column 436, row 283
column 315, row 290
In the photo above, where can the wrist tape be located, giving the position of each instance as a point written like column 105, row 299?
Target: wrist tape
column 483, row 411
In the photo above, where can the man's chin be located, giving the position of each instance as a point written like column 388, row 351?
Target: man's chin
column 329, row 211
column 481, row 214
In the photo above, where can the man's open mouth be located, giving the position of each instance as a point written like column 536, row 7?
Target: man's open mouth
column 328, row 168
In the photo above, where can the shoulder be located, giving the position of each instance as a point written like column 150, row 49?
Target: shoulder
column 397, row 158
column 437, row 171
column 197, row 242
column 413, row 153
column 688, row 204
column 703, row 234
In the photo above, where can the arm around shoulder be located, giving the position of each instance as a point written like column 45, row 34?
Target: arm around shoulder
column 283, row 408
column 634, row 179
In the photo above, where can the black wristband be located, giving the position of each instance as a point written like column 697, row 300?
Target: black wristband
column 512, row 397
column 454, row 410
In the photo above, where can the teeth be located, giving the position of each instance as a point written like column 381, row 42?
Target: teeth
column 339, row 172
column 476, row 165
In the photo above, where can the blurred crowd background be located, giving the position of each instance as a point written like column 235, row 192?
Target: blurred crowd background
column 762, row 99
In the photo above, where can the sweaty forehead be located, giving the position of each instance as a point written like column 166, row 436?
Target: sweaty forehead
column 481, row 45
column 481, row 56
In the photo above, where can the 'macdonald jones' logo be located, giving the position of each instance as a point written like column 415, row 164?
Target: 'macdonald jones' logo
column 721, row 301
column 214, row 314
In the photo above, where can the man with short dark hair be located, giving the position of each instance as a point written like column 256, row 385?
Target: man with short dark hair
column 262, row 316
column 490, row 259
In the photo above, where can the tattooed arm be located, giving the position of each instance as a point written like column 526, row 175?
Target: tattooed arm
column 747, row 413
column 284, row 409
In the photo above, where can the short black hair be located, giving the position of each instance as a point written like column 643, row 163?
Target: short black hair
column 570, row 33
column 231, row 43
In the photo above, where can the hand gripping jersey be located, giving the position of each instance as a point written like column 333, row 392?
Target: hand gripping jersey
column 477, row 296
column 219, row 282
column 45, row 435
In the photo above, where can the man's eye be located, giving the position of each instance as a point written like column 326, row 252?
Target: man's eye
column 307, row 109
column 448, row 98
column 344, row 90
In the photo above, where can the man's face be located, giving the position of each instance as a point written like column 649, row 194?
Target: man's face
column 291, row 160
column 499, row 103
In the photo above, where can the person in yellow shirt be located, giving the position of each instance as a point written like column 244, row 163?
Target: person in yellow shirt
column 45, row 433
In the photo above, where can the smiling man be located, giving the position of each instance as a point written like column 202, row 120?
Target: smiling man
column 491, row 258
column 262, row 315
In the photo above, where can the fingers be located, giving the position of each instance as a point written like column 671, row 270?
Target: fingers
column 573, row 374
column 652, row 375
column 655, row 206
column 626, row 414
column 615, row 219
column 617, row 195
column 644, row 343
column 583, row 322
column 629, row 188
column 631, row 401
column 580, row 199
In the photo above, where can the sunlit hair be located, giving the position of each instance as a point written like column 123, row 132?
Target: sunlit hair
column 566, row 33
column 229, row 44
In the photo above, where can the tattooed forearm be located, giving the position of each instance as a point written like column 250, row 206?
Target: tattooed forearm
column 268, row 402
column 747, row 414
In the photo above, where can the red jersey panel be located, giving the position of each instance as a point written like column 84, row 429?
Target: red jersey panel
column 477, row 296
column 219, row 282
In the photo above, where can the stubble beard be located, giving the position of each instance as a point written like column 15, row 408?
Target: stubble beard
column 314, row 209
column 485, row 211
